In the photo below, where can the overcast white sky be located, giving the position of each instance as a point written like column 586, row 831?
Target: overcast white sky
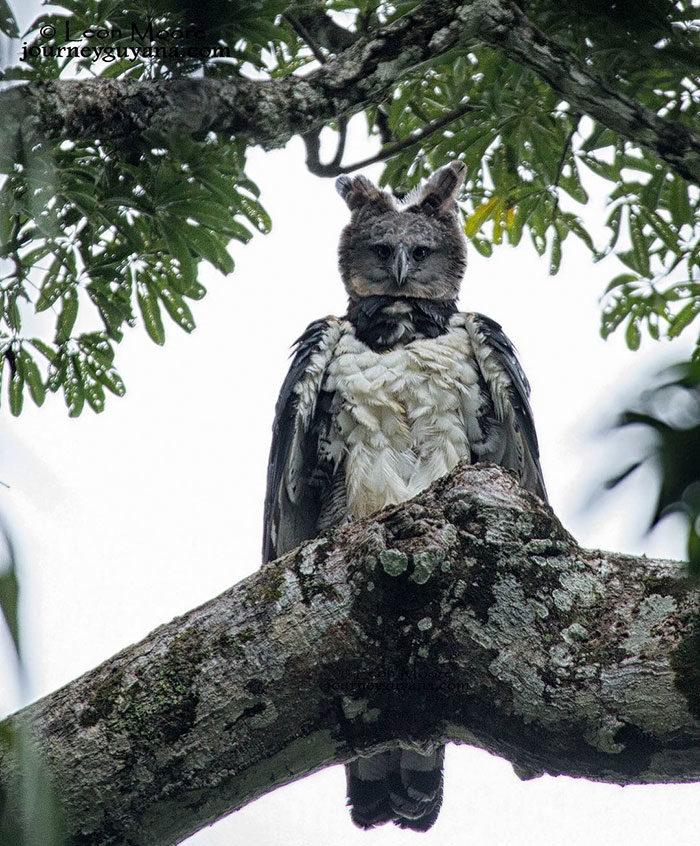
column 127, row 519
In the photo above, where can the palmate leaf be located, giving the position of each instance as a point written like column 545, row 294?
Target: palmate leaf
column 128, row 227
column 130, row 230
column 524, row 151
column 524, row 159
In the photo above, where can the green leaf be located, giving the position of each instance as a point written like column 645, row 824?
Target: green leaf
column 73, row 388
column 176, row 307
column 621, row 279
column 539, row 241
column 652, row 190
column 43, row 348
column 629, row 258
column 16, row 393
column 483, row 246
column 653, row 326
column 572, row 185
column 111, row 380
column 633, row 336
column 67, row 318
column 640, row 246
column 30, row 372
column 572, row 222
column 54, row 286
column 480, row 215
column 255, row 213
column 600, row 137
column 613, row 223
column 205, row 212
column 209, row 246
column 150, row 311
column 547, row 146
column 555, row 254
column 679, row 205
column 9, row 600
column 94, row 393
column 684, row 318
column 603, row 169
column 179, row 249
column 670, row 238
column 8, row 24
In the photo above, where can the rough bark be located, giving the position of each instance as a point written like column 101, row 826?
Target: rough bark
column 467, row 614
column 271, row 112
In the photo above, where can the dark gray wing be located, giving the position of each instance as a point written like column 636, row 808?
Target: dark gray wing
column 515, row 445
column 299, row 473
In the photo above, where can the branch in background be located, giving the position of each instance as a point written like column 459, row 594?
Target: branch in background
column 467, row 614
column 305, row 36
column 381, row 121
column 265, row 112
column 323, row 29
column 334, row 168
column 312, row 142
column 271, row 112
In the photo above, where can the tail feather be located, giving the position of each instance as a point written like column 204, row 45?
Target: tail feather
column 368, row 794
column 400, row 786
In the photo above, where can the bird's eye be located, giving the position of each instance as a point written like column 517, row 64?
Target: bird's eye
column 420, row 253
column 383, row 251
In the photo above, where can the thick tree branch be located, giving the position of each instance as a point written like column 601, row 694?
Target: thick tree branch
column 266, row 112
column 467, row 614
column 271, row 112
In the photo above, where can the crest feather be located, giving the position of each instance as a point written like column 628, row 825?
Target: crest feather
column 359, row 191
column 438, row 195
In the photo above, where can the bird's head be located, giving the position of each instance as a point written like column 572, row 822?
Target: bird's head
column 409, row 248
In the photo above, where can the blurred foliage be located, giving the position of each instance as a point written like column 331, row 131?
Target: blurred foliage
column 29, row 813
column 9, row 588
column 670, row 412
column 99, row 237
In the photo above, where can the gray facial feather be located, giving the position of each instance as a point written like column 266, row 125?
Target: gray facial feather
column 414, row 248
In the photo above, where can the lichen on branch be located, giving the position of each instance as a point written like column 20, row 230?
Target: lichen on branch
column 467, row 614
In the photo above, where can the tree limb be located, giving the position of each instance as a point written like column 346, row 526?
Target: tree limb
column 322, row 28
column 271, row 112
column 335, row 168
column 298, row 26
column 467, row 614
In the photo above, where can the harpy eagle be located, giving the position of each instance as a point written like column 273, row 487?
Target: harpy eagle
column 381, row 402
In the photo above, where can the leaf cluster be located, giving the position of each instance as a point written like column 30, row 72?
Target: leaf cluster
column 95, row 238
column 159, row 39
column 121, row 231
column 528, row 157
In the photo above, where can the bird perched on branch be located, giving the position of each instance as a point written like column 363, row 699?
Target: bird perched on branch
column 381, row 402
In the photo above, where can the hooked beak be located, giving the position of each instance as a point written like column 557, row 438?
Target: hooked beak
column 400, row 267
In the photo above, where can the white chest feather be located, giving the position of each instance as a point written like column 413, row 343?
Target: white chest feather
column 405, row 416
